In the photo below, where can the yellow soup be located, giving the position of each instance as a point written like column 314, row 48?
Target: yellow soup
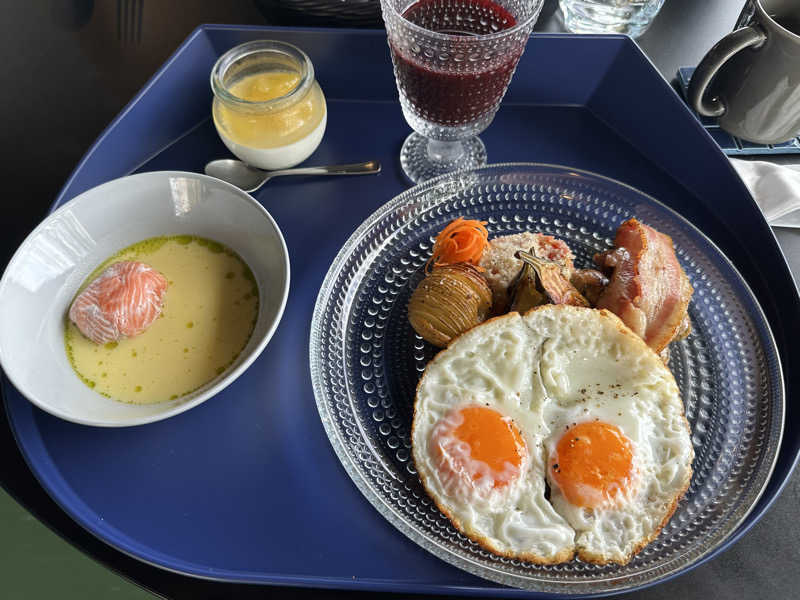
column 210, row 310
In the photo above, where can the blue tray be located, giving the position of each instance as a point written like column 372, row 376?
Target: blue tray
column 246, row 487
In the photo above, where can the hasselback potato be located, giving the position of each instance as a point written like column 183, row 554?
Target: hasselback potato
column 449, row 301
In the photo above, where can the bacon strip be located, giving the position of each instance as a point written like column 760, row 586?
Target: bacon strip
column 648, row 289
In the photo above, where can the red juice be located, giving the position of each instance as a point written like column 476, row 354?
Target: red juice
column 453, row 92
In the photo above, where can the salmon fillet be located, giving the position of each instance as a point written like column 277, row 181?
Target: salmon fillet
column 122, row 301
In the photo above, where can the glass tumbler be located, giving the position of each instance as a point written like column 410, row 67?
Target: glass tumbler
column 632, row 17
column 453, row 61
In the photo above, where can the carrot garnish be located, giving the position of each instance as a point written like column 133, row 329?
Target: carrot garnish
column 463, row 240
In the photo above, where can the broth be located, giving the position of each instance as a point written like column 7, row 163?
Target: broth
column 210, row 310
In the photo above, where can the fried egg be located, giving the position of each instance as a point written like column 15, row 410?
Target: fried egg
column 553, row 434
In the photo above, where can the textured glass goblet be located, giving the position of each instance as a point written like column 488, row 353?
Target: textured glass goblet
column 453, row 61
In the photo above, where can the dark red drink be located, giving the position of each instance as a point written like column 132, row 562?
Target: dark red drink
column 465, row 85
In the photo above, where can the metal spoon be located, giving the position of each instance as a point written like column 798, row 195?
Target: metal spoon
column 250, row 178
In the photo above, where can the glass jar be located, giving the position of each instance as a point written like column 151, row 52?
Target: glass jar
column 268, row 108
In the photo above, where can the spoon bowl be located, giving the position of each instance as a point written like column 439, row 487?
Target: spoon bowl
column 250, row 179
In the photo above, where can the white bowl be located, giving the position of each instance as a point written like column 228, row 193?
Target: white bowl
column 50, row 265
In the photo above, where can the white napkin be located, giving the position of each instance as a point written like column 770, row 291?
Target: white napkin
column 775, row 188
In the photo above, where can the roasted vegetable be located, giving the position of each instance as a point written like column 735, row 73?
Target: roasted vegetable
column 449, row 301
column 523, row 293
column 545, row 277
column 590, row 283
column 462, row 241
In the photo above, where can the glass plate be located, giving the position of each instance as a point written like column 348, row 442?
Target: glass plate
column 366, row 361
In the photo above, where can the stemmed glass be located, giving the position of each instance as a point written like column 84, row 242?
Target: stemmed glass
column 453, row 60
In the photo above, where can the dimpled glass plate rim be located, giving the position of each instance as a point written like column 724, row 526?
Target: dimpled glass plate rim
column 366, row 360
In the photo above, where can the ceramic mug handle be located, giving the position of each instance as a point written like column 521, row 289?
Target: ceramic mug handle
column 747, row 37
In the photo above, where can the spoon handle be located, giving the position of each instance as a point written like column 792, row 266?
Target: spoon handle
column 362, row 168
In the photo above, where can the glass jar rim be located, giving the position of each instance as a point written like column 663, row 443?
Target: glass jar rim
column 529, row 22
column 248, row 49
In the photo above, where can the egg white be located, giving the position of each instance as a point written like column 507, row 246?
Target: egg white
column 491, row 365
column 597, row 369
column 552, row 368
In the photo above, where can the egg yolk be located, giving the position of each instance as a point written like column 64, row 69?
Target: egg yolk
column 490, row 438
column 593, row 461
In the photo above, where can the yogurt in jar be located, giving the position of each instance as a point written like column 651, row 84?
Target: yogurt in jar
column 268, row 108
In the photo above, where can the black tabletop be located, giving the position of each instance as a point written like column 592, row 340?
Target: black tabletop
column 71, row 65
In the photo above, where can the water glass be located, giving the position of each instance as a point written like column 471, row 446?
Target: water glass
column 632, row 17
